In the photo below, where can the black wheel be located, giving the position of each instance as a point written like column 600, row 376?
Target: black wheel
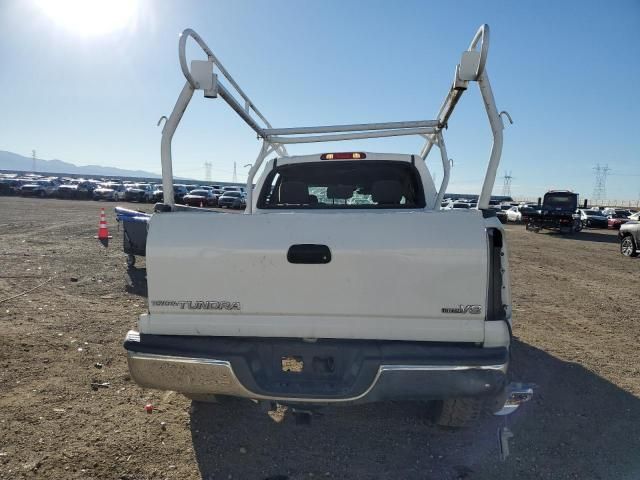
column 628, row 246
column 131, row 261
column 458, row 412
column 577, row 226
column 42, row 194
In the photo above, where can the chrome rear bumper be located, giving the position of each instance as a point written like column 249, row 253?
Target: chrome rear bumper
column 197, row 376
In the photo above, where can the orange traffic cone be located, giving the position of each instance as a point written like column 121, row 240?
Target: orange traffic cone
column 103, row 231
column 201, row 205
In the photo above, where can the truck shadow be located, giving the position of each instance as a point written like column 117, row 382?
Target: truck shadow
column 590, row 236
column 136, row 281
column 578, row 425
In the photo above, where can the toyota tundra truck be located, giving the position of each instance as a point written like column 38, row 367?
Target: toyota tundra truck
column 342, row 283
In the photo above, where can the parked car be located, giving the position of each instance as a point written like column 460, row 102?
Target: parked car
column 456, row 205
column 39, row 188
column 233, row 188
column 200, row 197
column 502, row 216
column 514, row 214
column 635, row 217
column 616, row 219
column 232, row 199
column 179, row 191
column 138, row 192
column 629, row 235
column 10, row 186
column 111, row 191
column 76, row 189
column 527, row 210
column 157, row 194
column 591, row 218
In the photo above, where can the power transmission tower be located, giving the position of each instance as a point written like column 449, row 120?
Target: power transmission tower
column 600, row 186
column 207, row 171
column 506, row 185
column 33, row 165
column 235, row 175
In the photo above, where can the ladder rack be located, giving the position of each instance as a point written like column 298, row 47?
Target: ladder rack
column 204, row 75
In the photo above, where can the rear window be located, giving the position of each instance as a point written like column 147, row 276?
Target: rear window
column 568, row 201
column 356, row 184
column 232, row 194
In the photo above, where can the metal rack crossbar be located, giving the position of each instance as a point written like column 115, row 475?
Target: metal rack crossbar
column 203, row 76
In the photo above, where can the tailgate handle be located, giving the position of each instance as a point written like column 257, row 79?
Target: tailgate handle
column 309, row 253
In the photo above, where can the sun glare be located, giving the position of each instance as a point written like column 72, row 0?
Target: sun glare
column 91, row 17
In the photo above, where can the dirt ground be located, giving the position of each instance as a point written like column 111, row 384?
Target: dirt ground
column 577, row 323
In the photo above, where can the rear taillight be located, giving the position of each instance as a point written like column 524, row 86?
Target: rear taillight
column 343, row 156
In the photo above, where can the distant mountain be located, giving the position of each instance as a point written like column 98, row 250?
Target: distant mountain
column 13, row 161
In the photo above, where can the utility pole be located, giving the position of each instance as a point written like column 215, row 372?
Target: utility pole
column 506, row 185
column 207, row 171
column 33, row 164
column 600, row 185
column 235, row 175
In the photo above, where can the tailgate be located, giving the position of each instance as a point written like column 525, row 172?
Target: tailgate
column 390, row 275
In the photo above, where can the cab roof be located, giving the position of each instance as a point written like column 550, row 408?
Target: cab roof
column 346, row 157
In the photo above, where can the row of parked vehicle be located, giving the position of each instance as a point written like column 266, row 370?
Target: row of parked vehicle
column 506, row 211
column 117, row 191
column 607, row 217
column 520, row 212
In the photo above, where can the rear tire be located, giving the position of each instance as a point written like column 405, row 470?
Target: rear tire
column 628, row 246
column 458, row 412
column 131, row 261
column 577, row 226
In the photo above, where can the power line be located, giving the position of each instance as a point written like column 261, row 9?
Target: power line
column 600, row 185
column 506, row 185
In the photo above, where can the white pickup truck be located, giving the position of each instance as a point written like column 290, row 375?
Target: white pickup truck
column 343, row 282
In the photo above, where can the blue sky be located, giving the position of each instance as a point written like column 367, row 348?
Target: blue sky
column 565, row 71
